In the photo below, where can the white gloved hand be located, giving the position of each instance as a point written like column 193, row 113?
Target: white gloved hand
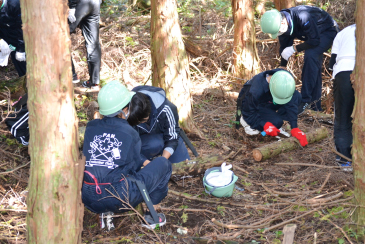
column 287, row 52
column 20, row 56
column 71, row 15
column 4, row 48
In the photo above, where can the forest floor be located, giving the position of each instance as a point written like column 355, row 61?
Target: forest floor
column 282, row 190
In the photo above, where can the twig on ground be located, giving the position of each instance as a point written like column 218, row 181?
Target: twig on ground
column 11, row 171
column 187, row 209
column 343, row 232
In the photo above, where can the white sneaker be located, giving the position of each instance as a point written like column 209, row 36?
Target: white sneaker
column 248, row 129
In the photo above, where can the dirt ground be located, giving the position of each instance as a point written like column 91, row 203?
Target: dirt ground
column 302, row 187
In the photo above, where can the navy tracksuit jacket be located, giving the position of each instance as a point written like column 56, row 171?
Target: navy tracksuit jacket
column 112, row 150
column 257, row 106
column 11, row 31
column 317, row 29
column 87, row 18
column 161, row 131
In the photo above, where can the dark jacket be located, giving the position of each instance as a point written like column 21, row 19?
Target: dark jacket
column 11, row 24
column 307, row 23
column 256, row 93
column 112, row 149
column 73, row 3
column 163, row 119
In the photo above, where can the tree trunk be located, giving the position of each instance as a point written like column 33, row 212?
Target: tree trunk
column 245, row 57
column 170, row 64
column 287, row 144
column 358, row 129
column 281, row 4
column 55, row 210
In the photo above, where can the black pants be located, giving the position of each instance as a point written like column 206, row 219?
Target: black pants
column 87, row 18
column 21, row 67
column 312, row 69
column 344, row 104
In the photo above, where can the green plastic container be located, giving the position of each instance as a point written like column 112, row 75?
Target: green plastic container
column 222, row 191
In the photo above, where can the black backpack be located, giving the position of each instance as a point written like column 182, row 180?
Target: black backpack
column 17, row 121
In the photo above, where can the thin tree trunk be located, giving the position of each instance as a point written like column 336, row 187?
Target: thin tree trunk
column 170, row 64
column 358, row 146
column 55, row 210
column 282, row 4
column 245, row 57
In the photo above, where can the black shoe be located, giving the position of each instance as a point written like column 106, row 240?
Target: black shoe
column 75, row 78
column 88, row 84
column 151, row 223
column 106, row 221
column 302, row 107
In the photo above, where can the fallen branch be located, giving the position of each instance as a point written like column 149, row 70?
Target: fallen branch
column 197, row 166
column 187, row 210
column 239, row 226
column 343, row 232
column 287, row 144
column 341, row 155
column 273, row 192
column 290, row 220
column 258, row 207
column 310, row 165
column 323, row 200
column 11, row 171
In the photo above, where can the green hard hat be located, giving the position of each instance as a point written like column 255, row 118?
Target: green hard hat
column 270, row 22
column 282, row 87
column 113, row 97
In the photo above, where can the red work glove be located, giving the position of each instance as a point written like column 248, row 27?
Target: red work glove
column 297, row 133
column 271, row 130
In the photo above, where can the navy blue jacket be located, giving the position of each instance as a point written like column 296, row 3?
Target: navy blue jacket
column 256, row 93
column 112, row 149
column 307, row 23
column 163, row 119
column 11, row 24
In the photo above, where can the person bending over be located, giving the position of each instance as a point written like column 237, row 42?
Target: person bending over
column 156, row 120
column 268, row 99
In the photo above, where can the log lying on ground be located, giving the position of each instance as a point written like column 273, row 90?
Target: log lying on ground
column 287, row 144
column 318, row 115
column 198, row 166
column 17, row 86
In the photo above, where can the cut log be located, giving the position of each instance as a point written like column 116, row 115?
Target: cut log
column 198, row 166
column 194, row 48
column 287, row 144
column 318, row 115
column 17, row 86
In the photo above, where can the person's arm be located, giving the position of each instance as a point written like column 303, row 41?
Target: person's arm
column 171, row 130
column 15, row 14
column 310, row 28
column 284, row 41
column 72, row 3
column 335, row 49
column 291, row 109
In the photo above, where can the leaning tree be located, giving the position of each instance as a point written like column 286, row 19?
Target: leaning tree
column 245, row 57
column 55, row 210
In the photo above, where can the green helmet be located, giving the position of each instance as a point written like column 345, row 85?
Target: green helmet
column 270, row 22
column 113, row 97
column 282, row 87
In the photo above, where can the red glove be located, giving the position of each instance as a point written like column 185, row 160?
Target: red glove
column 271, row 130
column 297, row 133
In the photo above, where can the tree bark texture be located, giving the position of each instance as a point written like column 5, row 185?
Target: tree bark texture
column 245, row 57
column 358, row 129
column 287, row 144
column 170, row 64
column 281, row 4
column 55, row 209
